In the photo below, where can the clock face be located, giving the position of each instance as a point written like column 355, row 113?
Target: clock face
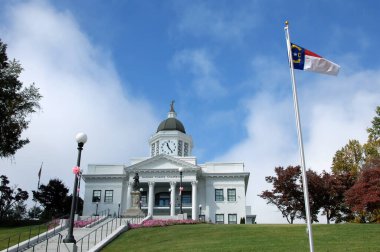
column 168, row 147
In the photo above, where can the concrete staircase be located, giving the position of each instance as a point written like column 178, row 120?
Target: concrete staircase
column 87, row 238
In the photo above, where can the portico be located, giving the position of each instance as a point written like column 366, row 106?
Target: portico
column 165, row 198
column 160, row 188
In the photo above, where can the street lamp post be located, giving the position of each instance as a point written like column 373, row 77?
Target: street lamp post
column 81, row 140
column 78, row 190
column 119, row 215
column 180, row 189
column 96, row 211
column 200, row 209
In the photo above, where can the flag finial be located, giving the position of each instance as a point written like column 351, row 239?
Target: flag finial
column 286, row 22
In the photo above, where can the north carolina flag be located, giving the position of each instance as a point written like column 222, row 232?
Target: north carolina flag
column 304, row 59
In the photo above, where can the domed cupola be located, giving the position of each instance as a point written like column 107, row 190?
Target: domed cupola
column 171, row 123
column 171, row 138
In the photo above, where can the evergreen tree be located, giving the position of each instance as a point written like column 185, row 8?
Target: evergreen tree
column 16, row 104
column 374, row 131
column 55, row 199
column 11, row 200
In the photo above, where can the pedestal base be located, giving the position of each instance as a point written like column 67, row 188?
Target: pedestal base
column 133, row 213
column 134, row 210
column 71, row 247
column 182, row 216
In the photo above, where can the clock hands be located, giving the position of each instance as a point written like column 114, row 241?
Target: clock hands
column 167, row 144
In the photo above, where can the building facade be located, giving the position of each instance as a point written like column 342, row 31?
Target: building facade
column 214, row 192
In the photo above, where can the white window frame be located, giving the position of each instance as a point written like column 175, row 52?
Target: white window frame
column 93, row 196
column 228, row 194
column 219, row 221
column 229, row 220
column 217, row 199
column 106, row 197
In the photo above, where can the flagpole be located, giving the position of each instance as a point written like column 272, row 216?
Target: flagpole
column 300, row 141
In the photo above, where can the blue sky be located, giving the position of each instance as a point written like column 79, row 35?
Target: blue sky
column 111, row 68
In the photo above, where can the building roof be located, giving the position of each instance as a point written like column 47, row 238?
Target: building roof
column 171, row 123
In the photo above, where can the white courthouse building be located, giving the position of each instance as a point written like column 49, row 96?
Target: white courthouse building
column 215, row 192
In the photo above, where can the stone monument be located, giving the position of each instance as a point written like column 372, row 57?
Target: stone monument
column 135, row 209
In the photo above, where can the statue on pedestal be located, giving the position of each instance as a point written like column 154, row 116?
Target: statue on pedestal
column 136, row 182
column 135, row 208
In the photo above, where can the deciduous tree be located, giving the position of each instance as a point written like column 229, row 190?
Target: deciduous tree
column 315, row 189
column 16, row 104
column 286, row 194
column 349, row 159
column 331, row 196
column 364, row 195
column 326, row 192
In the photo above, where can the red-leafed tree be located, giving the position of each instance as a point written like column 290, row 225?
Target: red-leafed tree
column 364, row 195
column 286, row 194
column 316, row 189
column 331, row 196
column 326, row 192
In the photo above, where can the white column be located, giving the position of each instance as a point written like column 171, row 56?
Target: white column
column 172, row 198
column 194, row 207
column 151, row 198
column 128, row 197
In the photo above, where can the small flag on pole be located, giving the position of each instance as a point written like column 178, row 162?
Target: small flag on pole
column 39, row 176
column 306, row 60
column 39, row 173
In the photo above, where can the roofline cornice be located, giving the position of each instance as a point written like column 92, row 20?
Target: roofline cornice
column 145, row 162
column 227, row 174
column 103, row 176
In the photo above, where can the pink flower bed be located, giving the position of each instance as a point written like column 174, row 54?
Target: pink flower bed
column 161, row 223
column 83, row 223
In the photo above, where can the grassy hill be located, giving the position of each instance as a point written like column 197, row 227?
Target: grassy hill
column 209, row 237
column 16, row 233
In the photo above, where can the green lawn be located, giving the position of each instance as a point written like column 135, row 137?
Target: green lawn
column 209, row 237
column 14, row 233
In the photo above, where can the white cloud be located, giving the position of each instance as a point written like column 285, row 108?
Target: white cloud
column 340, row 109
column 333, row 110
column 81, row 92
column 202, row 19
column 268, row 144
column 199, row 63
